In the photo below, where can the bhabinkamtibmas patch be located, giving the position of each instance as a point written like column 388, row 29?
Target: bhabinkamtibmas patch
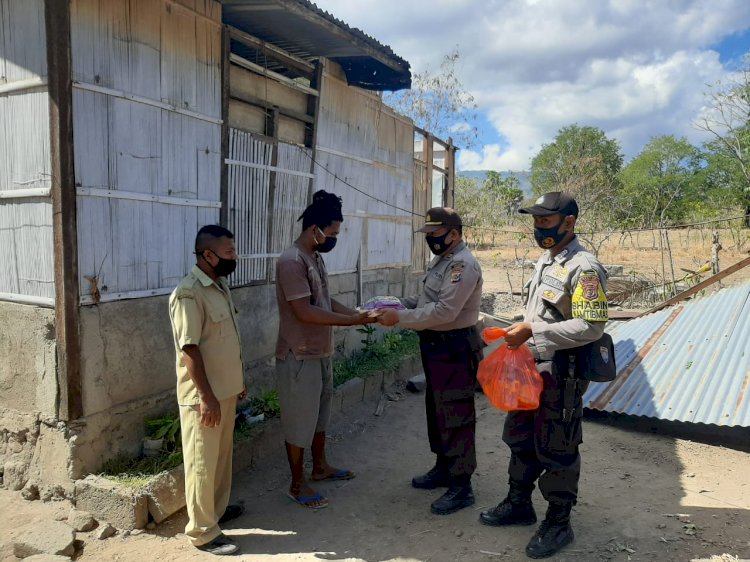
column 589, row 300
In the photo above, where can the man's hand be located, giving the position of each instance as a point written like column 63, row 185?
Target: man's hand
column 518, row 334
column 388, row 317
column 210, row 411
column 242, row 395
column 367, row 317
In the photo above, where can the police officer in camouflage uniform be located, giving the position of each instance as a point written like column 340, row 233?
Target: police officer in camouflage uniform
column 566, row 308
column 445, row 316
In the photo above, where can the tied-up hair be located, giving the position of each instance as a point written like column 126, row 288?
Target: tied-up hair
column 324, row 210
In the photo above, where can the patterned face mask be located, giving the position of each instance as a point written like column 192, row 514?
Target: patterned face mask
column 548, row 237
column 437, row 244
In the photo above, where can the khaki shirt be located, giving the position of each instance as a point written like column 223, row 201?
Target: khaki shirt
column 567, row 303
column 451, row 296
column 300, row 275
column 203, row 314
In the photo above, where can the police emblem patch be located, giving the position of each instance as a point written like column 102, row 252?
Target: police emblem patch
column 604, row 352
column 549, row 294
column 589, row 301
column 590, row 283
column 456, row 276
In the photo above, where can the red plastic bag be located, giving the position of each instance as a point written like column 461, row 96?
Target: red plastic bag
column 509, row 377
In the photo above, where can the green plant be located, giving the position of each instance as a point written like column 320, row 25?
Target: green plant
column 167, row 428
column 369, row 340
column 266, row 403
column 135, row 472
column 381, row 356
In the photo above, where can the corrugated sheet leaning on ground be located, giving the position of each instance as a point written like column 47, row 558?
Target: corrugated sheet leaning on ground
column 689, row 363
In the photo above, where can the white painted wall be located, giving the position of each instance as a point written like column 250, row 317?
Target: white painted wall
column 26, row 270
column 147, row 133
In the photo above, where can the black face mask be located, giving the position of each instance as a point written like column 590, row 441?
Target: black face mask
column 225, row 267
column 548, row 237
column 327, row 245
column 437, row 244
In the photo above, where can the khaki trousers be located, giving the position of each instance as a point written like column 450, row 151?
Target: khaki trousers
column 207, row 456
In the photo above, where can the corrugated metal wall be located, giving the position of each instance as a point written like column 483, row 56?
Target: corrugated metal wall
column 147, row 133
column 364, row 143
column 263, row 214
column 26, row 269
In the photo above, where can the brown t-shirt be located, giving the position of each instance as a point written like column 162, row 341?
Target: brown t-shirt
column 299, row 275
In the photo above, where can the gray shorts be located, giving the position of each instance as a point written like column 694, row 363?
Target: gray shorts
column 305, row 390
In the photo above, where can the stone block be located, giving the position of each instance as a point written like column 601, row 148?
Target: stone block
column 269, row 440
column 396, row 289
column 166, row 493
column 352, row 392
column 336, row 400
column 395, row 275
column 51, row 537
column 389, row 377
column 125, row 508
column 348, row 283
column 15, row 475
column 373, row 385
column 614, row 270
column 417, row 383
column 81, row 520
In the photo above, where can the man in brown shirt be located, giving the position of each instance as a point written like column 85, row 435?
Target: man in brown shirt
column 305, row 345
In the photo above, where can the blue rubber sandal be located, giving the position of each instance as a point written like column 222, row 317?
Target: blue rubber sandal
column 343, row 474
column 304, row 501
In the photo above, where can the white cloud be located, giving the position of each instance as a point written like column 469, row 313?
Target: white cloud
column 635, row 68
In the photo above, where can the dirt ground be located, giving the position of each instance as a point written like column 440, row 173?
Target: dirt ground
column 645, row 496
column 638, row 253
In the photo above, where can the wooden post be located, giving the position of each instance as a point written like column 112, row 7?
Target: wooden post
column 224, row 175
column 429, row 159
column 715, row 248
column 64, row 224
column 450, row 176
column 313, row 108
column 272, row 130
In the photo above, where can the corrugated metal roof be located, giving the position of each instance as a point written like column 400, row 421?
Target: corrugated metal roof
column 301, row 28
column 689, row 363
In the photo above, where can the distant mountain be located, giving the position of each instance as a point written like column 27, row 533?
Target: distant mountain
column 480, row 175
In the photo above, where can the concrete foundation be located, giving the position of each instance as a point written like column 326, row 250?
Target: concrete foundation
column 128, row 374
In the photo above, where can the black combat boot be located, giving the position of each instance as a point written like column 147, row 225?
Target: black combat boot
column 553, row 534
column 515, row 509
column 458, row 496
column 437, row 477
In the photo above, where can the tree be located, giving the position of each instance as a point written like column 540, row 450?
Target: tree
column 438, row 103
column 728, row 122
column 658, row 187
column 503, row 195
column 661, row 183
column 585, row 163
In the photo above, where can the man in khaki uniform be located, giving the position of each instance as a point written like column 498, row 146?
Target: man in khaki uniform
column 209, row 381
column 566, row 308
column 445, row 317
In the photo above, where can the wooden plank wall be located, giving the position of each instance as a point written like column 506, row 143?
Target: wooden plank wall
column 27, row 269
column 366, row 144
column 268, row 170
column 147, row 134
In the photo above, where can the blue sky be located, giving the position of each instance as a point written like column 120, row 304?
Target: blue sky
column 634, row 68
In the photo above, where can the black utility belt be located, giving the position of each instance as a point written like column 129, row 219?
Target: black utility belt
column 446, row 335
